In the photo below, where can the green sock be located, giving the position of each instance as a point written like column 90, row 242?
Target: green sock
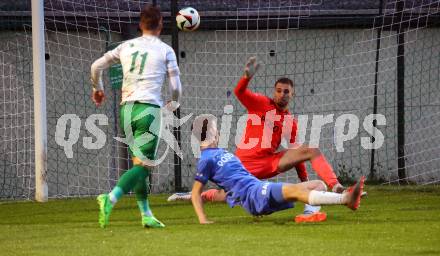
column 141, row 190
column 127, row 182
column 130, row 178
column 144, row 207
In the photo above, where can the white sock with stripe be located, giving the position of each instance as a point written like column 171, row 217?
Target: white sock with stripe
column 323, row 197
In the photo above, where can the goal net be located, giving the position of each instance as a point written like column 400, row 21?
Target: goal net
column 348, row 61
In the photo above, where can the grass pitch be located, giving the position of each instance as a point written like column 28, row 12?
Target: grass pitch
column 391, row 221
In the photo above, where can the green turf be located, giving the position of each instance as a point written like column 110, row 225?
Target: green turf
column 391, row 221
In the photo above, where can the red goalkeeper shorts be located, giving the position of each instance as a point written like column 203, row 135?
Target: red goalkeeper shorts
column 264, row 167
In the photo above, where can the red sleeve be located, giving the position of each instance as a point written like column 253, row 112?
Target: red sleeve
column 301, row 170
column 294, row 131
column 290, row 129
column 249, row 99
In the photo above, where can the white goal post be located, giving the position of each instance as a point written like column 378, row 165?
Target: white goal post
column 40, row 120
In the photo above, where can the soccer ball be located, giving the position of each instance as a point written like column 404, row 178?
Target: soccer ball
column 188, row 19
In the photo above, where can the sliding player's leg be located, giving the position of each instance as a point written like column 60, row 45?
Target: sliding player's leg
column 301, row 192
column 210, row 195
column 214, row 195
column 268, row 197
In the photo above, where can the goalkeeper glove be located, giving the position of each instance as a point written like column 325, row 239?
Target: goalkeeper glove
column 251, row 67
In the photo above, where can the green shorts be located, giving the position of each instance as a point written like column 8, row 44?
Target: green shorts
column 144, row 121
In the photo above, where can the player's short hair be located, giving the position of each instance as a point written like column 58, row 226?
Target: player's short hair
column 284, row 80
column 150, row 17
column 204, row 128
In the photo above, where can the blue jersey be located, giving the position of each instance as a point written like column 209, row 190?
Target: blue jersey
column 242, row 188
column 225, row 170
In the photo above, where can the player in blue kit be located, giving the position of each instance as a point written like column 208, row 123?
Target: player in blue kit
column 242, row 188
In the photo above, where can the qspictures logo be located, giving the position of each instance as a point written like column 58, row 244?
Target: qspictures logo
column 346, row 128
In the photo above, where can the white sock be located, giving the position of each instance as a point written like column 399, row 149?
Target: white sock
column 115, row 194
column 322, row 197
column 113, row 199
column 309, row 209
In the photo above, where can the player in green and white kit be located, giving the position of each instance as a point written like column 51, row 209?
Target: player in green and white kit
column 146, row 61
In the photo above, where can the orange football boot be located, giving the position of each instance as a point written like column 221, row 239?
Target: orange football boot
column 312, row 217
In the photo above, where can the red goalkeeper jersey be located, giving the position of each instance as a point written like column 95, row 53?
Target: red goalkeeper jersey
column 265, row 124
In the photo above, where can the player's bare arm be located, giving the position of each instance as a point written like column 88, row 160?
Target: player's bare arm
column 197, row 202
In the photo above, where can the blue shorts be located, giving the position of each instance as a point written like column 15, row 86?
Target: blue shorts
column 264, row 198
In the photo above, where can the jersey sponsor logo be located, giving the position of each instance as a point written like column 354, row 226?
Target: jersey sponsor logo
column 224, row 159
column 264, row 188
